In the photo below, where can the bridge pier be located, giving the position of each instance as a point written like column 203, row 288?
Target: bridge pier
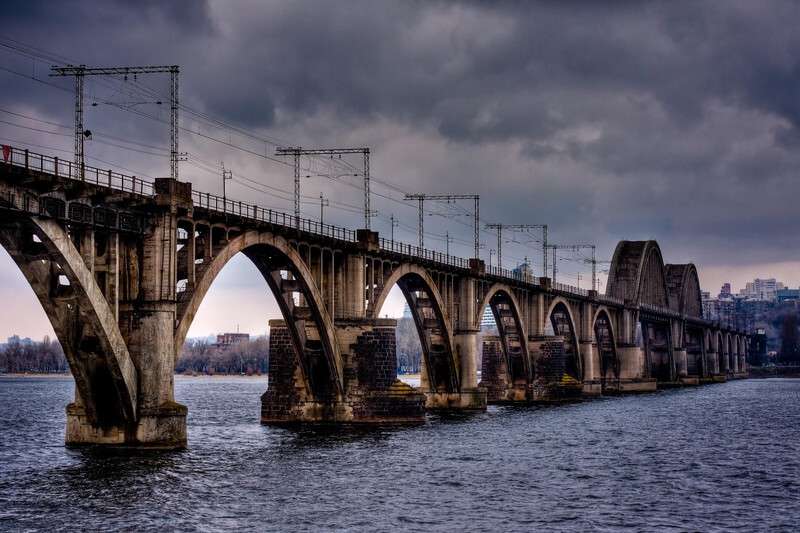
column 371, row 394
column 590, row 357
column 469, row 397
column 632, row 375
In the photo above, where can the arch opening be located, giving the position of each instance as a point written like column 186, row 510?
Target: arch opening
column 229, row 332
column 310, row 330
column 424, row 307
column 695, row 355
column 562, row 325
column 51, row 257
column 505, row 365
column 657, row 345
column 606, row 350
column 509, row 327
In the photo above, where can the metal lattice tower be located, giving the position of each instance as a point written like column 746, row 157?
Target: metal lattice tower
column 297, row 151
column 80, row 71
column 517, row 227
column 448, row 198
column 174, row 154
column 575, row 248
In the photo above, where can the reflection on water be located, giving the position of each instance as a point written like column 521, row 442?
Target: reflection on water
column 716, row 457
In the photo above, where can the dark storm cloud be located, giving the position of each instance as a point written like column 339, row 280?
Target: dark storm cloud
column 674, row 120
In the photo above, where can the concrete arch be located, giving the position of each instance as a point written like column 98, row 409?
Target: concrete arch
column 105, row 376
column 433, row 324
column 516, row 335
column 637, row 274
column 509, row 293
column 576, row 365
column 606, row 344
column 254, row 244
column 400, row 272
column 683, row 285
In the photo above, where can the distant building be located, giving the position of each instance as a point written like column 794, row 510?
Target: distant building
column 787, row 295
column 487, row 320
column 229, row 339
column 407, row 311
column 524, row 270
column 15, row 339
column 762, row 289
column 708, row 305
column 725, row 291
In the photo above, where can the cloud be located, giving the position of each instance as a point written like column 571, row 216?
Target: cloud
column 676, row 121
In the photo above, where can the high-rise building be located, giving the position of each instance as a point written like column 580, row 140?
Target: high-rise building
column 487, row 320
column 725, row 291
column 762, row 289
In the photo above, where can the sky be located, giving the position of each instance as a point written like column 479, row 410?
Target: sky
column 675, row 121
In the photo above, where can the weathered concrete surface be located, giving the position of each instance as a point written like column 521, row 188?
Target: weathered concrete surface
column 372, row 392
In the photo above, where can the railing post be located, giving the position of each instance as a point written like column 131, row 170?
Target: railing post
column 55, row 165
column 26, row 158
column 109, row 178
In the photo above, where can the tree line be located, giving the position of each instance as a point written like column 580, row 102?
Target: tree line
column 199, row 355
column 21, row 357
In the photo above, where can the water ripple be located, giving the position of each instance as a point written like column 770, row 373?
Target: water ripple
column 716, row 458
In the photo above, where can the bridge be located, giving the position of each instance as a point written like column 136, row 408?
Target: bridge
column 121, row 266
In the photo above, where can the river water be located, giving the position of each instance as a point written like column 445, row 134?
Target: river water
column 719, row 457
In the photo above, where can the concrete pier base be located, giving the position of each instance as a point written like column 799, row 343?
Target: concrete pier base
column 161, row 428
column 592, row 387
column 630, row 386
column 467, row 400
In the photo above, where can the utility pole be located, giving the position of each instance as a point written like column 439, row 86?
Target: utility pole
column 448, row 239
column 448, row 198
column 517, row 227
column 575, row 248
column 394, row 223
column 297, row 151
column 594, row 262
column 322, row 204
column 80, row 71
column 367, row 210
column 226, row 175
column 491, row 253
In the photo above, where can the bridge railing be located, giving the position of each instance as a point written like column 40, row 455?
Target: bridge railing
column 422, row 253
column 660, row 310
column 227, row 206
column 64, row 168
column 517, row 275
column 610, row 299
column 563, row 287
